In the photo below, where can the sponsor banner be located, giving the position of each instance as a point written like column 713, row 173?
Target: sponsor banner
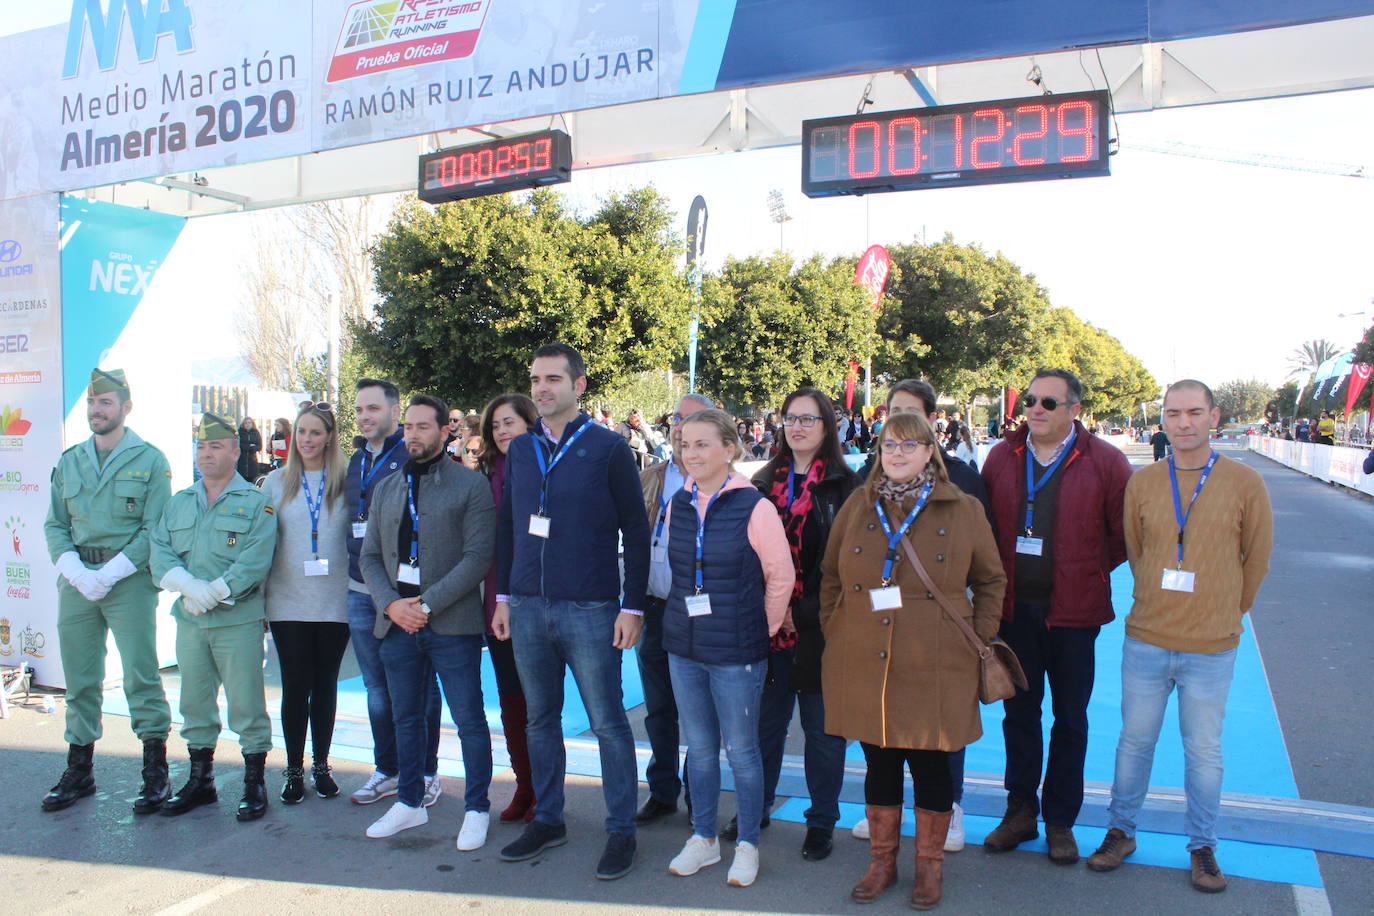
column 1332, row 463
column 30, row 430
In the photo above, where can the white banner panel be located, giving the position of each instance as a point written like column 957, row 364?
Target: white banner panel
column 30, row 429
column 1332, row 463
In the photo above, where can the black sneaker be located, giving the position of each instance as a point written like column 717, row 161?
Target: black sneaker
column 730, row 832
column 538, row 836
column 654, row 810
column 818, row 843
column 325, row 786
column 618, row 858
column 293, row 789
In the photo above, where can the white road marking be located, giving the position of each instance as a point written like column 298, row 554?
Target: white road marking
column 205, row 898
column 1311, row 901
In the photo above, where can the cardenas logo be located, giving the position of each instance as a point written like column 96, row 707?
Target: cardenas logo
column 380, row 35
column 148, row 21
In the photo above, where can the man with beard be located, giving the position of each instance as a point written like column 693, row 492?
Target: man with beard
column 106, row 494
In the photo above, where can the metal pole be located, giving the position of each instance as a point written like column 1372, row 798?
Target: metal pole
column 696, row 245
column 333, row 393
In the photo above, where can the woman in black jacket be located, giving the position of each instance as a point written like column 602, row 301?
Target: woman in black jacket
column 807, row 482
column 250, row 444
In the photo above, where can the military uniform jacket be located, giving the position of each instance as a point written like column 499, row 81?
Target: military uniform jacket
column 114, row 507
column 234, row 539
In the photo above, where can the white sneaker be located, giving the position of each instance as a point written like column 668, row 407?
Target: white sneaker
column 698, row 853
column 954, row 840
column 377, row 787
column 860, row 830
column 473, row 834
column 400, row 817
column 434, row 787
column 745, row 868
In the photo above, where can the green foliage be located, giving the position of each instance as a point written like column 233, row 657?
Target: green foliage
column 1309, row 356
column 469, row 289
column 654, row 393
column 1114, row 382
column 771, row 326
column 1242, row 400
column 1364, row 350
column 1286, row 397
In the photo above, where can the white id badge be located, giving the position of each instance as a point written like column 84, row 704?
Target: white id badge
column 360, row 529
column 1177, row 580
column 539, row 526
column 407, row 574
column 318, row 567
column 658, row 553
column 886, row 599
column 698, row 605
column 1031, row 547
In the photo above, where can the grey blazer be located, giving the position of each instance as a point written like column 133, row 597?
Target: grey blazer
column 457, row 545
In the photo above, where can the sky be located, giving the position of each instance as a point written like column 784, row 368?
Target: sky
column 1205, row 269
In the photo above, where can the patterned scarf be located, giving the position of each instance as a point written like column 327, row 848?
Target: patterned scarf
column 903, row 494
column 793, row 523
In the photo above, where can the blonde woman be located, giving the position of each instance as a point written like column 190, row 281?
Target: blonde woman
column 307, row 593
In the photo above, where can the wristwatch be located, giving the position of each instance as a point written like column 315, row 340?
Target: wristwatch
column 424, row 609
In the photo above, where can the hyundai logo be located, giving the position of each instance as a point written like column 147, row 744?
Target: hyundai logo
column 10, row 251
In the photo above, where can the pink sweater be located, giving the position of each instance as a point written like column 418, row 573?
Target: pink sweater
column 769, row 540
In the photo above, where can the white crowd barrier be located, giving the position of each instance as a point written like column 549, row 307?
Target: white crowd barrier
column 1332, row 463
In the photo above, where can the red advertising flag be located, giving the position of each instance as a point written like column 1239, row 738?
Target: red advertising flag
column 1009, row 409
column 850, row 379
column 1359, row 375
column 871, row 272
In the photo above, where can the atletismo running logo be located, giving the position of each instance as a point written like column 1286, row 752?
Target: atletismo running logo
column 380, row 35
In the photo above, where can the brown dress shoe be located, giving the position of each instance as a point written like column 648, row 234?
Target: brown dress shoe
column 1207, row 876
column 1018, row 825
column 884, row 839
column 1063, row 847
column 932, row 827
column 1115, row 847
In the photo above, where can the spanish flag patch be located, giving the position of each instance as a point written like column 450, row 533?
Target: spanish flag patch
column 269, row 510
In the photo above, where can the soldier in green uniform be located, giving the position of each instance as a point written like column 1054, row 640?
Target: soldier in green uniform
column 214, row 546
column 107, row 493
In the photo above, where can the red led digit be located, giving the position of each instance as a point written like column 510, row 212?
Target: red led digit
column 448, row 171
column 485, row 166
column 543, row 153
column 465, row 168
column 874, row 152
column 892, row 140
column 1042, row 112
column 993, row 138
column 502, row 161
column 958, row 141
column 1086, row 131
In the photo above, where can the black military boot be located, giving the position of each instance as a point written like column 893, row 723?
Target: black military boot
column 156, row 785
column 76, row 782
column 200, row 785
column 254, row 803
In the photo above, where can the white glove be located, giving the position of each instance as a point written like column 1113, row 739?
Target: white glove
column 191, row 607
column 201, row 592
column 70, row 566
column 220, row 590
column 118, row 568
column 91, row 586
column 176, row 580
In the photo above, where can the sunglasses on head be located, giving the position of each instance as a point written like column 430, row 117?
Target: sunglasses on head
column 1031, row 400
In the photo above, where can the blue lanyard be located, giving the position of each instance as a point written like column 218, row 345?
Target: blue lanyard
column 366, row 476
column 701, row 525
column 1033, row 485
column 414, row 520
column 546, row 466
column 791, row 481
column 895, row 538
column 314, row 505
column 1178, row 503
column 662, row 517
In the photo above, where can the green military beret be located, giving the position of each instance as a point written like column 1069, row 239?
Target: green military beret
column 213, row 427
column 109, row 381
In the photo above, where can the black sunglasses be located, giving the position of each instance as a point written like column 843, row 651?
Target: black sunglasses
column 1031, row 400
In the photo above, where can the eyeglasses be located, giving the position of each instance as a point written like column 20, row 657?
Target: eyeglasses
column 906, row 446
column 472, row 451
column 805, row 421
column 322, row 405
column 1031, row 400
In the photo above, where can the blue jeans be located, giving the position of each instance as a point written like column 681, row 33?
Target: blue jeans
column 660, row 707
column 823, row 755
column 1148, row 675
column 367, row 649
column 551, row 636
column 721, row 703
column 412, row 660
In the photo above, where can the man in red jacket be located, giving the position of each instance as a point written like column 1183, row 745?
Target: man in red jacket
column 1057, row 495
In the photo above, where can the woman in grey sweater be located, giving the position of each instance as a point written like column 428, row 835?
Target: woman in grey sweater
column 307, row 592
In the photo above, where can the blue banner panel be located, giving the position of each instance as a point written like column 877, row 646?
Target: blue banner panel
column 1173, row 19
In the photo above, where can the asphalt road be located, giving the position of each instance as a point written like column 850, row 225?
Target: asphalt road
column 1314, row 623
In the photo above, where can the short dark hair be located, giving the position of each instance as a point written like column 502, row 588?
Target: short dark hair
column 429, row 400
column 917, row 388
column 1194, row 384
column 577, row 366
column 1075, row 386
column 388, row 390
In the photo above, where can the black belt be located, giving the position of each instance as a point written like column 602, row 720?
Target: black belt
column 101, row 555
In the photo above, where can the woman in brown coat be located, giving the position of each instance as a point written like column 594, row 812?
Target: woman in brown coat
column 898, row 674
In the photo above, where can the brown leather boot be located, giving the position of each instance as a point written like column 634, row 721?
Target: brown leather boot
column 514, row 718
column 884, row 838
column 932, row 827
column 1019, row 824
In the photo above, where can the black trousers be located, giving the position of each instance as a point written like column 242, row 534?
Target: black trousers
column 930, row 779
column 502, row 652
column 660, row 709
column 309, row 654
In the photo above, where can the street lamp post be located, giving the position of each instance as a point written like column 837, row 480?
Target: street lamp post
column 777, row 212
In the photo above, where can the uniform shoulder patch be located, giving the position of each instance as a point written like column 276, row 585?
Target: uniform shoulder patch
column 269, row 510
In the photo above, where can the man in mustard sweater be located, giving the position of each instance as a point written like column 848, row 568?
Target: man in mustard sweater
column 1199, row 530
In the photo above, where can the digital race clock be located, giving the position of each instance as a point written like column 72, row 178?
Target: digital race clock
column 1045, row 136
column 496, row 166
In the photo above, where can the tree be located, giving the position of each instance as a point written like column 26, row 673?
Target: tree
column 1115, row 383
column 1364, row 350
column 1309, row 356
column 959, row 317
column 468, row 290
column 1242, row 400
column 771, row 327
